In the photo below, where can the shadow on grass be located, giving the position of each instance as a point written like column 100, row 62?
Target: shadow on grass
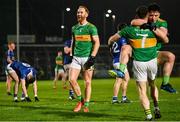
column 69, row 115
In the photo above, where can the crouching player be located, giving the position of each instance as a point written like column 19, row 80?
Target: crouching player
column 27, row 75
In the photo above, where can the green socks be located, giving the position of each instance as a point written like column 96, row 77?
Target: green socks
column 122, row 67
column 79, row 98
column 165, row 80
column 86, row 104
column 148, row 113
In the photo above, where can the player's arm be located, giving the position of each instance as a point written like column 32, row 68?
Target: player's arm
column 165, row 30
column 23, row 83
column 96, row 41
column 138, row 22
column 96, row 44
column 9, row 58
column 163, row 36
column 35, row 90
column 159, row 32
column 67, row 50
column 71, row 53
column 113, row 38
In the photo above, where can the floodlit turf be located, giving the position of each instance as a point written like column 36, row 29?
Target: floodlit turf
column 54, row 104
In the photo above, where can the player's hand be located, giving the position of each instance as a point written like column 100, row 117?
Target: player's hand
column 90, row 62
column 28, row 99
column 150, row 25
column 36, row 99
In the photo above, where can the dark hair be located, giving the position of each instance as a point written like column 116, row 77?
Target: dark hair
column 86, row 9
column 154, row 7
column 31, row 80
column 142, row 12
column 120, row 26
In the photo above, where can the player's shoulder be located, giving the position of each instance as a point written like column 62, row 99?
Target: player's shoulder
column 67, row 41
column 90, row 25
column 122, row 38
column 162, row 20
column 75, row 26
column 9, row 51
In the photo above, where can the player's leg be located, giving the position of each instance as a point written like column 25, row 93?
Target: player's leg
column 14, row 76
column 76, row 88
column 67, row 76
column 23, row 95
column 154, row 95
column 63, row 78
column 152, row 71
column 75, row 69
column 24, row 89
column 126, row 52
column 87, row 79
column 117, row 85
column 166, row 59
column 55, row 78
column 124, row 88
column 8, row 83
column 142, row 88
column 140, row 73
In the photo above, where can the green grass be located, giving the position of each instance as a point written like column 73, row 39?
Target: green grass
column 54, row 104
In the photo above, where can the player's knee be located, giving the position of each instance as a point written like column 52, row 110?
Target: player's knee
column 126, row 49
column 73, row 82
column 88, row 83
column 171, row 57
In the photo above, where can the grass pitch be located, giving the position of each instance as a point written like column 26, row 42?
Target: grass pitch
column 55, row 106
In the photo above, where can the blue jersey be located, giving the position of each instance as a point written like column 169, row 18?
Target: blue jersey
column 67, row 56
column 116, row 49
column 23, row 69
column 10, row 55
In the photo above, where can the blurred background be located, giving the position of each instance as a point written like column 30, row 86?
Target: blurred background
column 44, row 25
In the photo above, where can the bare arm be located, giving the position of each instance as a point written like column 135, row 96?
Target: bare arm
column 96, row 45
column 138, row 22
column 67, row 50
column 23, row 82
column 35, row 88
column 113, row 38
column 9, row 60
column 163, row 36
column 164, row 30
column 71, row 46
